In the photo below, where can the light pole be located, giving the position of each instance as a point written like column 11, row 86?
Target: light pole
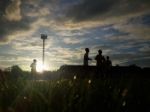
column 43, row 37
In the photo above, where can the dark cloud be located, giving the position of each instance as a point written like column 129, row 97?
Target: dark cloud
column 7, row 26
column 24, row 13
column 89, row 9
column 10, row 27
column 19, row 15
column 3, row 5
column 143, row 20
column 13, row 18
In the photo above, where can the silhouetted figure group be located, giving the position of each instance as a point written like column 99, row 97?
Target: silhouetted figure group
column 103, row 65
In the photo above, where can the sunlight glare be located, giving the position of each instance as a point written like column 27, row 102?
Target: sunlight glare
column 40, row 67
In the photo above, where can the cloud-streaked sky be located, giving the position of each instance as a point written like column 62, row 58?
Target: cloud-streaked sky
column 121, row 28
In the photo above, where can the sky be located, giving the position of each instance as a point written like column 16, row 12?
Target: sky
column 120, row 28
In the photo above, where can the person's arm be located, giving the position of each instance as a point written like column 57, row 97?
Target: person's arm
column 89, row 58
column 96, row 58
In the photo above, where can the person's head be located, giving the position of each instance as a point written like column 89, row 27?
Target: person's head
column 107, row 57
column 87, row 50
column 100, row 51
column 34, row 60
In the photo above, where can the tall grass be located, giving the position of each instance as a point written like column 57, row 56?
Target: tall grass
column 75, row 95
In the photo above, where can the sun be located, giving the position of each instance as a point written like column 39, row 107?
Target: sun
column 40, row 67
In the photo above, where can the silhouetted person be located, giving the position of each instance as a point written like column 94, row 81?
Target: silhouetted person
column 100, row 62
column 99, row 59
column 86, row 57
column 108, row 62
column 33, row 67
column 108, row 65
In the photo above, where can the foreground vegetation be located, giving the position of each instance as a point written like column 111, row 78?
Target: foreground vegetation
column 75, row 95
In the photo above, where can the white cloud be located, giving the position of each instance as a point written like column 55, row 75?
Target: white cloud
column 72, row 40
column 13, row 11
column 43, row 11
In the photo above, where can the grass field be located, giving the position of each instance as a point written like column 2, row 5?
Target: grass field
column 75, row 95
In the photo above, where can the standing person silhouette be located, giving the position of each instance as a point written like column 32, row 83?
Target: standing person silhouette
column 33, row 67
column 86, row 57
column 108, row 67
column 108, row 62
column 100, row 60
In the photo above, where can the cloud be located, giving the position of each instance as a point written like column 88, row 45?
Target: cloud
column 8, row 29
column 13, row 11
column 145, row 48
column 22, row 15
column 33, row 44
column 3, row 5
column 71, row 41
column 12, row 58
column 18, row 16
column 42, row 12
column 87, row 9
column 120, row 28
column 64, row 55
column 136, row 26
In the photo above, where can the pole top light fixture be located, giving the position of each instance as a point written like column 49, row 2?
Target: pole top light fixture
column 43, row 36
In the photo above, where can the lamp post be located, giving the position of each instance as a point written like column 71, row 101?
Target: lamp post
column 43, row 37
